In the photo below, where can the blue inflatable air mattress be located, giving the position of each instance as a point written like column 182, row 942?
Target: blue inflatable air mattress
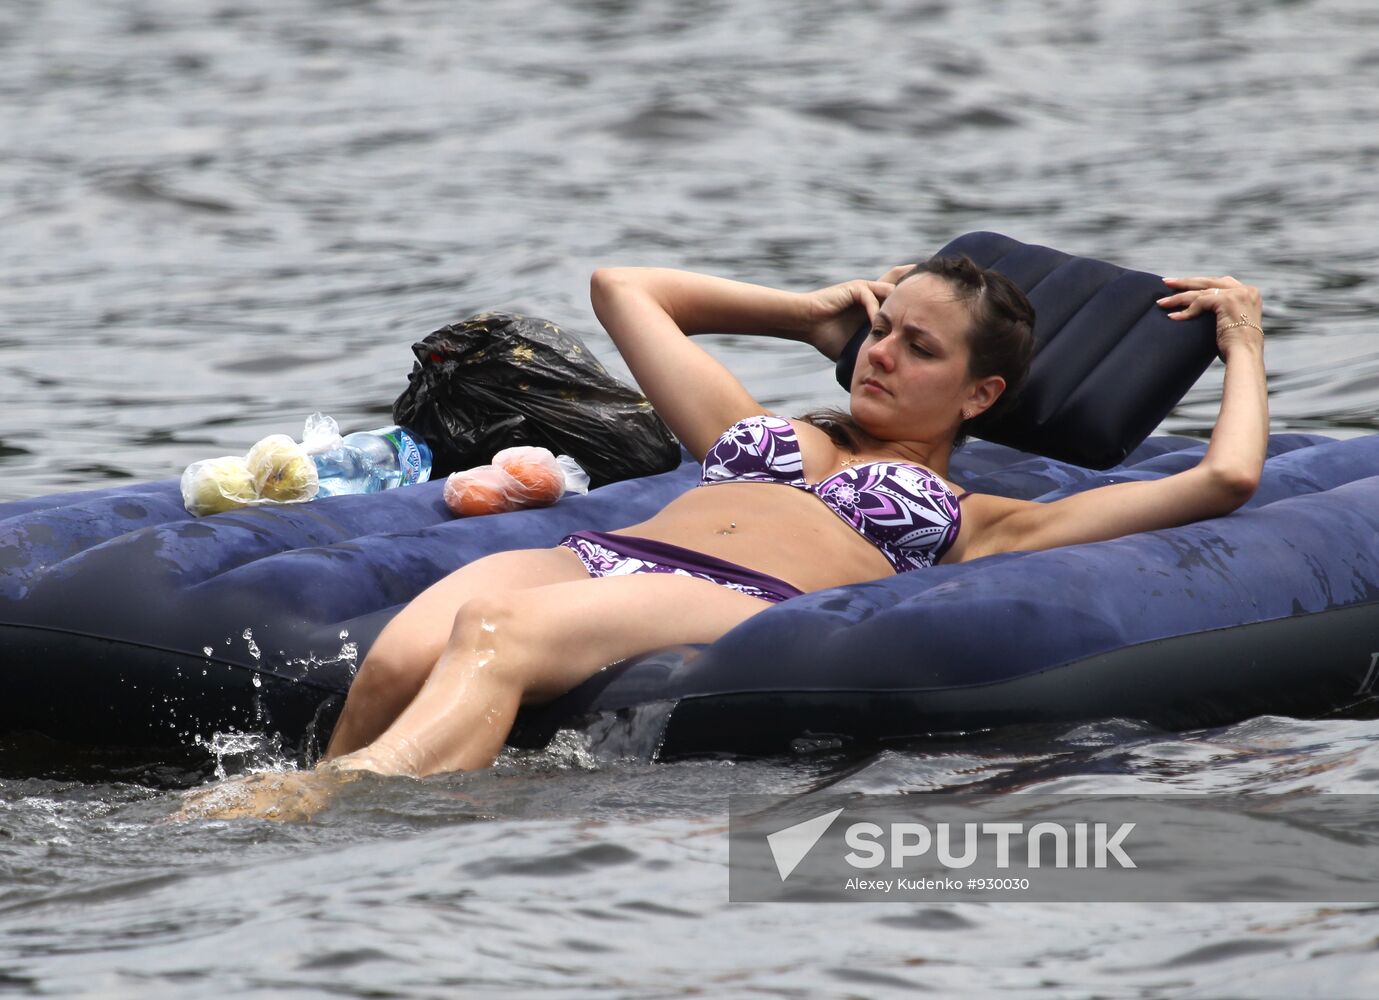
column 126, row 622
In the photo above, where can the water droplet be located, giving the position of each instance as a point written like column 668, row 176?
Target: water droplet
column 344, row 633
column 207, row 650
column 257, row 681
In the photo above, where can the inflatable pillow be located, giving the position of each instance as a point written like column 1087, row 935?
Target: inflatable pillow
column 1110, row 363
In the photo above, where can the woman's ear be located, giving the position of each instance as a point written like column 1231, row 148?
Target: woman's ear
column 983, row 395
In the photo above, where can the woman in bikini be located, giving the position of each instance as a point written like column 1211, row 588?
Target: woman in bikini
column 868, row 495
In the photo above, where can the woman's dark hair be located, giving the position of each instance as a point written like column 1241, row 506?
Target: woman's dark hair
column 1001, row 341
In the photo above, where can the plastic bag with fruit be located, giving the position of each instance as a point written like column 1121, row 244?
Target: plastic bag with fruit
column 516, row 479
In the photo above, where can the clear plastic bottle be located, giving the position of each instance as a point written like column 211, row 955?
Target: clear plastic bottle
column 372, row 461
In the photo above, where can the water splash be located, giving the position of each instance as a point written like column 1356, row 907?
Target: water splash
column 347, row 654
column 635, row 733
column 245, row 753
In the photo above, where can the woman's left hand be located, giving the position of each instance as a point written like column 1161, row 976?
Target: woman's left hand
column 1239, row 312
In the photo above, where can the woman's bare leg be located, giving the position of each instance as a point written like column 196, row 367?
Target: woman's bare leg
column 531, row 645
column 410, row 644
column 501, row 651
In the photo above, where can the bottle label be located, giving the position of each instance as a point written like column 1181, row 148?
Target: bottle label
column 408, row 458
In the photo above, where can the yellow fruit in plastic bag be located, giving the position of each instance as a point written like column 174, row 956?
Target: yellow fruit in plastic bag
column 216, row 485
column 282, row 470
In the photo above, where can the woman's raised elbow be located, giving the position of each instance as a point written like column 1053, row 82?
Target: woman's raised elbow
column 601, row 281
column 605, row 280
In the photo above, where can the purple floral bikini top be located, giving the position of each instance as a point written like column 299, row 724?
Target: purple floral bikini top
column 905, row 511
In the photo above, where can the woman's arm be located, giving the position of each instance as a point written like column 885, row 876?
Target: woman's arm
column 649, row 311
column 1225, row 478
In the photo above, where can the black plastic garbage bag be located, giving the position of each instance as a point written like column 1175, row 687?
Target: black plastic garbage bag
column 497, row 380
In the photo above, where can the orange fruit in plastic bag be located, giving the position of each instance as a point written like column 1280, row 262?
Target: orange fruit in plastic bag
column 541, row 485
column 482, row 490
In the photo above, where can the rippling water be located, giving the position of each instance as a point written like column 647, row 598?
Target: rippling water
column 219, row 217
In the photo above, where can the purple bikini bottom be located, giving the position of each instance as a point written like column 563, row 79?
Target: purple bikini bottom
column 605, row 554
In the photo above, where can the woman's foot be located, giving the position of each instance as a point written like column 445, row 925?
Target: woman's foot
column 280, row 796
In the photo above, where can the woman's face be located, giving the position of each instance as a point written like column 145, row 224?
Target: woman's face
column 911, row 380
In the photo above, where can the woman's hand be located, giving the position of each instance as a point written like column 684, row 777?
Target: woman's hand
column 834, row 313
column 1234, row 460
column 1239, row 313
